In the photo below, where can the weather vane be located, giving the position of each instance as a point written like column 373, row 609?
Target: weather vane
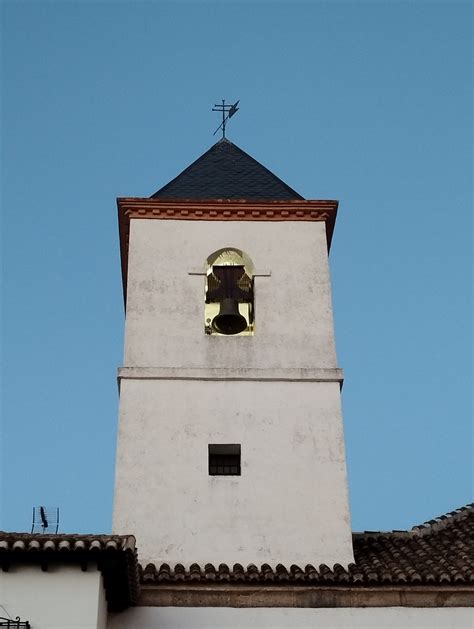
column 227, row 112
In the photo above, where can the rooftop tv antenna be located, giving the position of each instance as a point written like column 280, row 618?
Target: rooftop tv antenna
column 45, row 519
column 227, row 112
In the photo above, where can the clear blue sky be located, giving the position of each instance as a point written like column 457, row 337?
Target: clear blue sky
column 369, row 103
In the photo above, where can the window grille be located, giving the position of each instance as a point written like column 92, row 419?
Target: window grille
column 224, row 459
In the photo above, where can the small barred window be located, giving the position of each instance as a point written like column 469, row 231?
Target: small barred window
column 224, row 459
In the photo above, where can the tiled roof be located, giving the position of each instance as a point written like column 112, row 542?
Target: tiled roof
column 440, row 551
column 63, row 542
column 115, row 555
column 226, row 172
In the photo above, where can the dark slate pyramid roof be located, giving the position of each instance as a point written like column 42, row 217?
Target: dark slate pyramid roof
column 226, row 172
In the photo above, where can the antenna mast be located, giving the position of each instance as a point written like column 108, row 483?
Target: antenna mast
column 45, row 519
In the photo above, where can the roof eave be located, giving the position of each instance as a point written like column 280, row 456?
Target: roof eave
column 114, row 555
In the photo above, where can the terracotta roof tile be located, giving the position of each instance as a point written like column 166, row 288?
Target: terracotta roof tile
column 439, row 551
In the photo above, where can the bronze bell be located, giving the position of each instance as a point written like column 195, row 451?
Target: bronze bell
column 229, row 320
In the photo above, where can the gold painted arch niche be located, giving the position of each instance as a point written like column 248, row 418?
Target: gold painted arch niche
column 229, row 293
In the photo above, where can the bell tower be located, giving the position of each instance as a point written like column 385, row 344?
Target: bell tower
column 230, row 446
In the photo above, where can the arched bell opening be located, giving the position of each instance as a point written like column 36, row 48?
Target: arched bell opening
column 229, row 293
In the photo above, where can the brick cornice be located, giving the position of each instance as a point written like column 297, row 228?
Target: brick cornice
column 228, row 209
column 219, row 210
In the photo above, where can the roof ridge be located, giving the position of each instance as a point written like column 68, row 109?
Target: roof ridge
column 445, row 520
column 272, row 174
column 430, row 526
column 11, row 537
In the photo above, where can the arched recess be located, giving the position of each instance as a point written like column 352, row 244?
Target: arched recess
column 229, row 294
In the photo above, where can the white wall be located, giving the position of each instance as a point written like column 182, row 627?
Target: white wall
column 289, row 505
column 165, row 305
column 280, row 618
column 62, row 598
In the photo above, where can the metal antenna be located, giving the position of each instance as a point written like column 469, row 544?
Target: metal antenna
column 45, row 520
column 227, row 112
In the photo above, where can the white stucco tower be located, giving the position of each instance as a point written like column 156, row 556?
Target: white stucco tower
column 230, row 445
